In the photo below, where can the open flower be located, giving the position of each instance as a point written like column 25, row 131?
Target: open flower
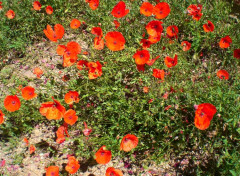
column 161, row 10
column 32, row 149
column 141, row 57
column 172, row 31
column 115, row 41
column 10, row 14
column 61, row 133
column 71, row 97
column 223, row 74
column 209, row 27
column 28, row 93
column 12, row 103
column 55, row 34
column 186, row 45
column 1, row 117
column 52, row 171
column 95, row 70
column 72, row 165
column 93, row 4
column 225, row 42
column 146, row 9
column 38, row 72
column 75, row 23
column 103, row 156
column 204, row 115
column 37, row 5
column 120, row 10
column 171, row 62
column 145, row 43
column 157, row 73
column 49, row 10
column 195, row 11
column 97, row 31
column 70, row 117
column 154, row 28
column 52, row 110
column 113, row 172
column 129, row 142
column 98, row 43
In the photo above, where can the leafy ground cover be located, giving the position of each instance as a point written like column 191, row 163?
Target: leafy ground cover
column 122, row 87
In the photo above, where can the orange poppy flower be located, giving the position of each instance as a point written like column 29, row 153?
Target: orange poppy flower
column 141, row 57
column 75, row 24
column 26, row 141
column 49, row 10
column 204, row 115
column 72, row 49
column 225, row 42
column 129, row 142
column 186, row 45
column 95, row 70
column 157, row 73
column 113, row 172
column 37, row 5
column 61, row 133
column 154, row 39
column 146, row 9
column 28, row 93
column 70, row 117
column 145, row 43
column 172, row 31
column 72, row 166
column 1, row 117
column 223, row 74
column 209, row 27
column 98, row 43
column 103, row 156
column 151, row 62
column 52, row 171
column 161, row 10
column 115, row 41
column 93, row 4
column 97, row 31
column 52, row 110
column 117, row 24
column 10, row 14
column 145, row 89
column 32, row 149
column 38, row 72
column 12, row 103
column 71, row 97
column 154, row 28
column 171, row 62
column 55, row 34
column 81, row 64
column 236, row 53
column 120, row 10
column 195, row 11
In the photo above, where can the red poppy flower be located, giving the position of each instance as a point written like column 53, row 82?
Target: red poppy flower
column 154, row 28
column 1, row 6
column 26, row 141
column 93, row 4
column 103, row 156
column 72, row 166
column 71, row 97
column 129, row 142
column 32, row 149
column 81, row 64
column 55, row 34
column 204, row 115
column 52, row 110
column 186, row 45
column 157, row 73
column 37, row 5
column 12, row 103
column 120, row 10
column 145, row 43
column 28, row 93
column 141, row 67
column 38, row 72
column 171, row 62
column 225, row 42
column 172, row 31
column 70, row 117
column 154, row 39
column 117, row 24
column 52, row 171
column 49, row 10
column 61, row 133
column 223, row 74
column 97, row 31
column 115, row 41
column 146, row 9
column 161, row 10
column 209, row 27
column 98, row 43
column 195, row 11
column 113, row 172
column 95, row 70
column 141, row 57
column 10, row 14
column 1, row 117
column 75, row 23
column 236, row 53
